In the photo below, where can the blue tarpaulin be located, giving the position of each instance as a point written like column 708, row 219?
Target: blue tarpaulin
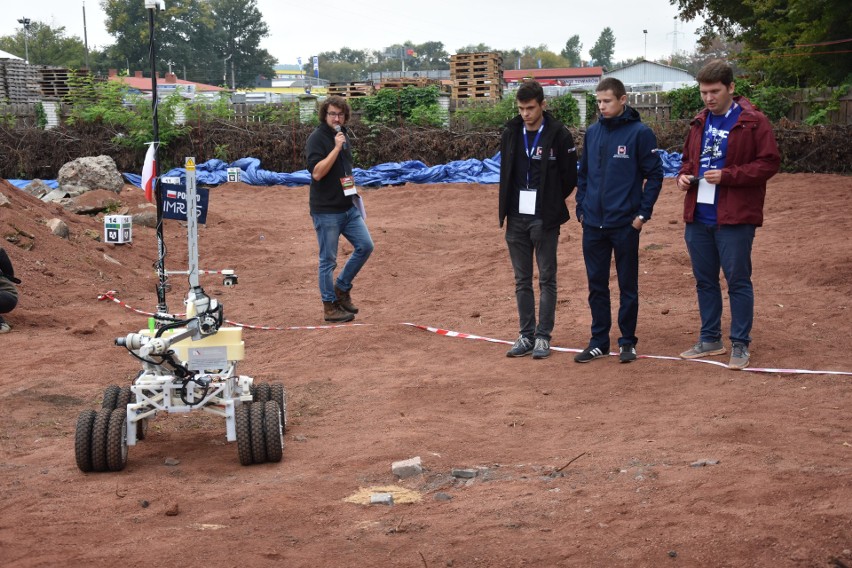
column 215, row 172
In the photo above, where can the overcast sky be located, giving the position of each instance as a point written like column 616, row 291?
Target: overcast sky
column 305, row 28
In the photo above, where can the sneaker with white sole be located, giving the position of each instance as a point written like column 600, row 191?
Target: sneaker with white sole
column 704, row 349
column 541, row 349
column 739, row 356
column 627, row 353
column 523, row 346
column 4, row 327
column 589, row 354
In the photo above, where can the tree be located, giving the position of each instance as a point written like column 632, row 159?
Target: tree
column 202, row 41
column 603, row 49
column 788, row 42
column 572, row 50
column 46, row 46
column 242, row 28
column 479, row 48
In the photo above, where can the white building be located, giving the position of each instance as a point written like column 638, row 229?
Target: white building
column 645, row 76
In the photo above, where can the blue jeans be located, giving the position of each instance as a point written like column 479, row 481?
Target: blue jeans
column 329, row 227
column 525, row 237
column 599, row 246
column 727, row 247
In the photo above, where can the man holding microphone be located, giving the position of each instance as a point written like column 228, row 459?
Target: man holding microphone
column 335, row 209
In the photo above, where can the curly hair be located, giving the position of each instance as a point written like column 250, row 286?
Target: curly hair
column 335, row 101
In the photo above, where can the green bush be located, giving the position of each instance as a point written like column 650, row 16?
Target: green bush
column 686, row 102
column 487, row 114
column 392, row 106
column 428, row 115
column 566, row 109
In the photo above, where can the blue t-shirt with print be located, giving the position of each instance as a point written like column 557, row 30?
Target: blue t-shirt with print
column 714, row 149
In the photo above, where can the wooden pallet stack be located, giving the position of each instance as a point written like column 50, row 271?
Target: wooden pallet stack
column 351, row 89
column 477, row 75
column 53, row 81
column 403, row 82
column 19, row 82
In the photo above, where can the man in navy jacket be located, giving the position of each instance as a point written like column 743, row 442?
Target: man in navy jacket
column 619, row 154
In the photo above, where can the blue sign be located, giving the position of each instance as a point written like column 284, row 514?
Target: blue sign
column 174, row 202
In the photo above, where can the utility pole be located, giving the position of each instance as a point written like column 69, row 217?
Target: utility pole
column 26, row 23
column 85, row 36
column 225, row 71
column 674, row 35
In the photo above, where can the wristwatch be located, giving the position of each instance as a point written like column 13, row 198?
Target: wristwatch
column 642, row 218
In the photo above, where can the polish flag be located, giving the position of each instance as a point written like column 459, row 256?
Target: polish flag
column 148, row 173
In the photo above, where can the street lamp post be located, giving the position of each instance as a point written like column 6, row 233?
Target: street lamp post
column 26, row 23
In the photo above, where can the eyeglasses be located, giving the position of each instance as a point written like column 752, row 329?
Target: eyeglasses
column 336, row 114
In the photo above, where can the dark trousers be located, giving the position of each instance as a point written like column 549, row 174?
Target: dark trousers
column 599, row 247
column 727, row 247
column 8, row 301
column 524, row 238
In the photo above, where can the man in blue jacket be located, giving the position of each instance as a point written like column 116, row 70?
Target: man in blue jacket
column 619, row 154
column 538, row 171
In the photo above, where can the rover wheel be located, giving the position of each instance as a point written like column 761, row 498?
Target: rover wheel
column 272, row 432
column 279, row 395
column 99, row 439
column 258, row 444
column 110, row 396
column 83, row 440
column 116, row 440
column 261, row 393
column 241, row 416
column 141, row 429
column 124, row 396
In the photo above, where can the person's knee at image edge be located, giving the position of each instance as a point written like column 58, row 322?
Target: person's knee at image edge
column 8, row 290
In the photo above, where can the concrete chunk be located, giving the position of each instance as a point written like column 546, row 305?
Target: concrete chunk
column 464, row 473
column 381, row 499
column 407, row 468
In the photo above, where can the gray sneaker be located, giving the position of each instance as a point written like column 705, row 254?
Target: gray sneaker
column 541, row 349
column 523, row 346
column 4, row 327
column 739, row 356
column 704, row 349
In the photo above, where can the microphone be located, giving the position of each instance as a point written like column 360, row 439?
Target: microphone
column 337, row 128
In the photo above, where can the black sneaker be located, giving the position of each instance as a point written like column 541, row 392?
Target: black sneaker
column 627, row 353
column 589, row 354
column 541, row 349
column 523, row 346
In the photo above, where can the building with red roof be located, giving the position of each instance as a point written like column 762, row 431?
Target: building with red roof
column 165, row 85
column 560, row 76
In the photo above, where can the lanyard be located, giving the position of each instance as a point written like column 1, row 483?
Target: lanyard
column 531, row 150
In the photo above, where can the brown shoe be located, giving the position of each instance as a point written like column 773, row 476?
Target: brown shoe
column 334, row 313
column 345, row 300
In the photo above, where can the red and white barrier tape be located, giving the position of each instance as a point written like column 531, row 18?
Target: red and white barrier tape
column 461, row 335
column 110, row 295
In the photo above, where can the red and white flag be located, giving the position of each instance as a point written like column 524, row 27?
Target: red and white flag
column 148, row 173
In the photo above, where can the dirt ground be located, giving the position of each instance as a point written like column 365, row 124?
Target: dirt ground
column 577, row 465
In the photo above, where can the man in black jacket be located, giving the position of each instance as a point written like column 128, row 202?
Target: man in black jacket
column 538, row 171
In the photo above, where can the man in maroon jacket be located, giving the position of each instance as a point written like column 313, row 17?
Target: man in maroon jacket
column 729, row 154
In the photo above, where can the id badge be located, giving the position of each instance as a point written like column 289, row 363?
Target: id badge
column 706, row 192
column 348, row 183
column 526, row 203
